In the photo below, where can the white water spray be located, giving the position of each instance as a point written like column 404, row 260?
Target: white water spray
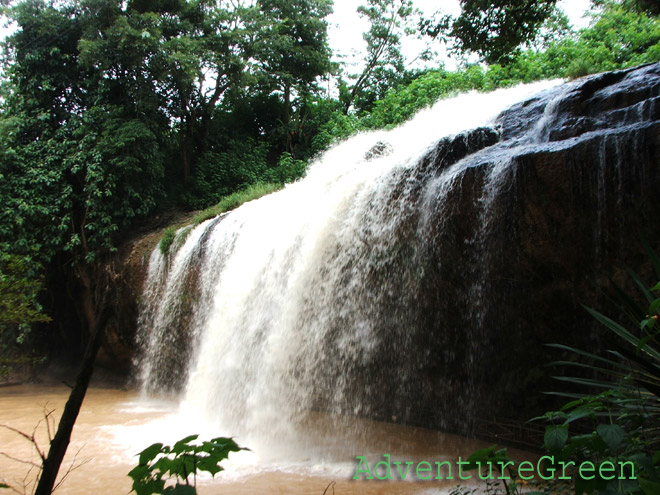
column 284, row 317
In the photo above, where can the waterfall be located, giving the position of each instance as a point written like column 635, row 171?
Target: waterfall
column 335, row 293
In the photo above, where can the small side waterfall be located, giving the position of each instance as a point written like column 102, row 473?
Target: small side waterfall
column 373, row 287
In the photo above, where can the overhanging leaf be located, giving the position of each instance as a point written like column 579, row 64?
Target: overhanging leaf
column 183, row 444
column 649, row 487
column 555, row 437
column 612, row 435
column 150, row 453
column 180, row 490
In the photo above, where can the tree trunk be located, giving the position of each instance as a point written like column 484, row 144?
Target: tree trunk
column 287, row 119
column 60, row 442
column 187, row 147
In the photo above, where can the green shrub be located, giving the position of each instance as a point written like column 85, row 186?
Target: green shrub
column 337, row 128
column 288, row 169
column 166, row 241
column 159, row 464
column 618, row 418
column 220, row 173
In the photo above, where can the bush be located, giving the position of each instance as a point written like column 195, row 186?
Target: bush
column 160, row 464
column 219, row 174
column 288, row 169
column 166, row 241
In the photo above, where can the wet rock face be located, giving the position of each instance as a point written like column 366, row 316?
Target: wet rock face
column 381, row 148
column 493, row 242
column 514, row 253
column 503, row 235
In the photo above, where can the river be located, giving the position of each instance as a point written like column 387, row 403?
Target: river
column 114, row 425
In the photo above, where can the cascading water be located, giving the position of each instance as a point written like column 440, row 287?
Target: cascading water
column 364, row 289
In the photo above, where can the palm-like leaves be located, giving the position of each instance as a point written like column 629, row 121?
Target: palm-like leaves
column 622, row 397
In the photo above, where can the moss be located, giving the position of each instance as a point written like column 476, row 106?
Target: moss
column 168, row 238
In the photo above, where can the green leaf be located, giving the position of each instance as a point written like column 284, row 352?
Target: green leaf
column 580, row 352
column 149, row 488
column 162, row 465
column 482, row 454
column 646, row 323
column 656, row 457
column 183, row 444
column 139, row 472
column 612, row 435
column 208, row 464
column 649, row 487
column 180, row 490
column 578, row 413
column 150, row 453
column 622, row 332
column 654, row 306
column 555, row 437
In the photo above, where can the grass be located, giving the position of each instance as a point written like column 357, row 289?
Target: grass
column 235, row 200
column 227, row 203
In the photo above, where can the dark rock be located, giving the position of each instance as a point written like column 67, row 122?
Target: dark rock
column 479, row 276
column 378, row 150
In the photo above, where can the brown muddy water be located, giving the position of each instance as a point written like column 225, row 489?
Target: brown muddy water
column 114, row 425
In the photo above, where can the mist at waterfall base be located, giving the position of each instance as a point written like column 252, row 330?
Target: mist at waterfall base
column 283, row 321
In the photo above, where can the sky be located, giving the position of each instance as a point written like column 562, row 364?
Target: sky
column 346, row 28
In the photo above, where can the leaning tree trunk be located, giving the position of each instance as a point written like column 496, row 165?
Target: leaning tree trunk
column 96, row 314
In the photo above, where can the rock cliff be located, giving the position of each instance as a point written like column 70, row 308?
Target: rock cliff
column 501, row 233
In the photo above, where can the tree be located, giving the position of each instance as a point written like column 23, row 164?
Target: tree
column 20, row 285
column 97, row 95
column 80, row 161
column 206, row 58
column 384, row 66
column 291, row 53
column 172, row 59
column 651, row 7
column 493, row 29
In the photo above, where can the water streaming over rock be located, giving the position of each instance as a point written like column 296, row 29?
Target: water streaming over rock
column 381, row 283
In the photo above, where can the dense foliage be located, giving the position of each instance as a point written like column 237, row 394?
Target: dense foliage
column 496, row 28
column 617, row 418
column 608, row 433
column 618, row 37
column 384, row 64
column 111, row 110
